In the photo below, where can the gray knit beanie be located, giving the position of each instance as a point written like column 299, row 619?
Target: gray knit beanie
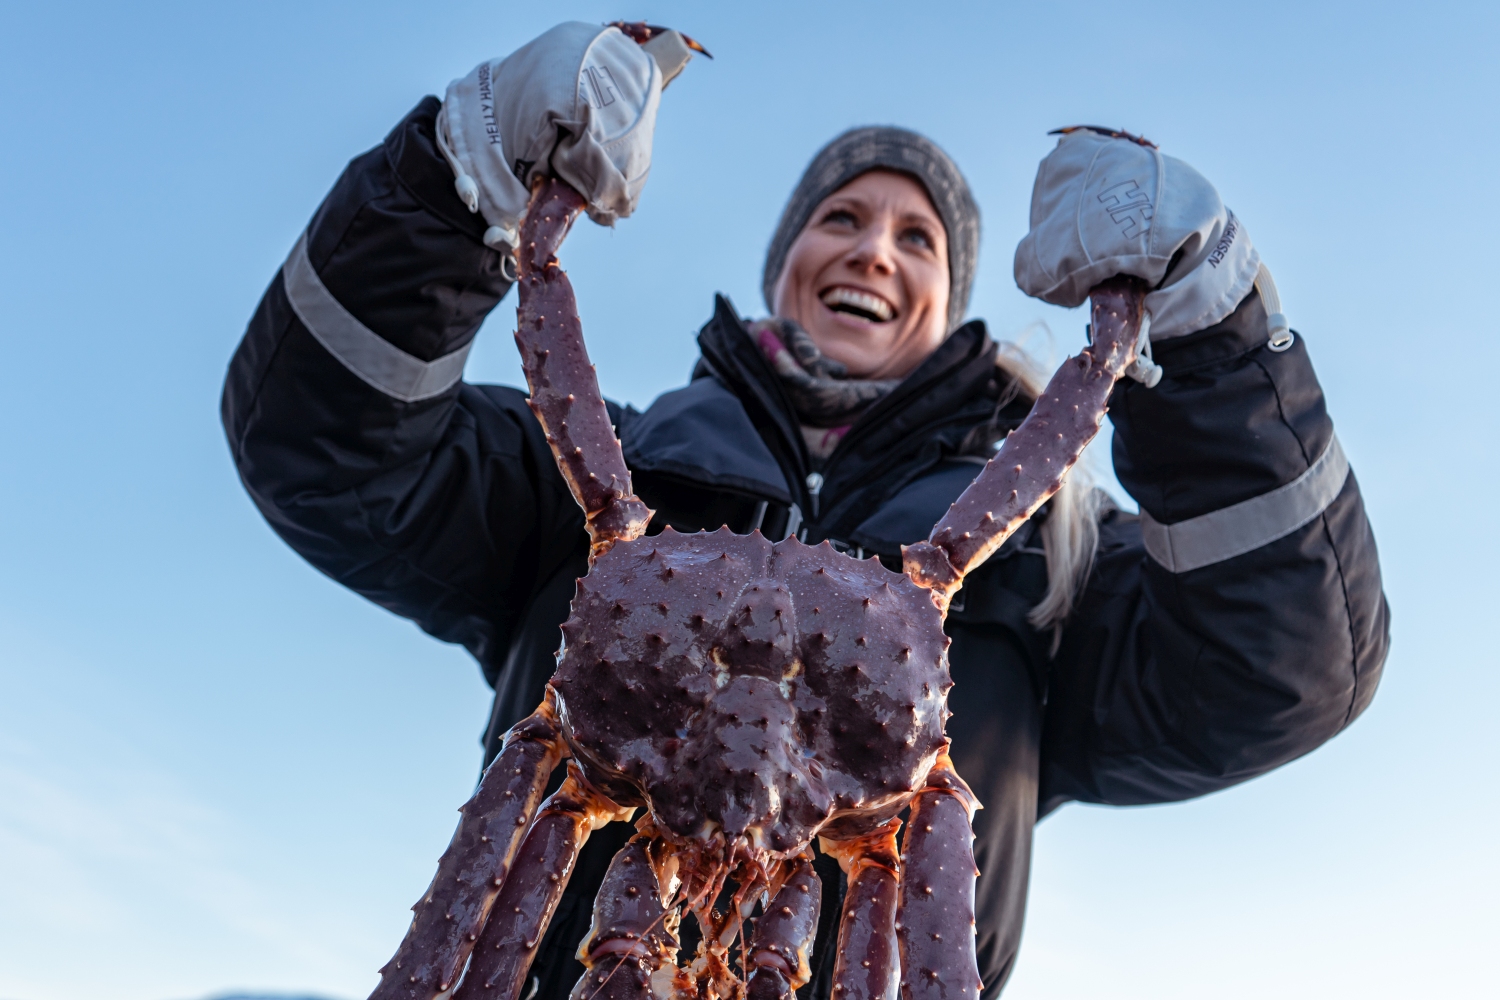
column 877, row 147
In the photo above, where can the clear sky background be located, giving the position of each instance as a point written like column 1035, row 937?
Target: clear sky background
column 220, row 770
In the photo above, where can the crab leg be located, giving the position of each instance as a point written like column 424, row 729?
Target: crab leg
column 633, row 934
column 564, row 389
column 537, row 879
column 784, row 936
column 1038, row 454
column 868, row 963
column 471, row 871
column 936, row 922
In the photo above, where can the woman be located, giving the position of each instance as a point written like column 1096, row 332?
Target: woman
column 1091, row 663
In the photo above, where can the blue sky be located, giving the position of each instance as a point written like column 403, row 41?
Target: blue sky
column 219, row 770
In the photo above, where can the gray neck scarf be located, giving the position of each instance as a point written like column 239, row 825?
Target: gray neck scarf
column 820, row 388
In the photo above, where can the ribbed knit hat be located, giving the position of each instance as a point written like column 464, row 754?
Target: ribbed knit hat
column 884, row 147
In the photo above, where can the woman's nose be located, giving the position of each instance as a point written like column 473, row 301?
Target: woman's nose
column 875, row 250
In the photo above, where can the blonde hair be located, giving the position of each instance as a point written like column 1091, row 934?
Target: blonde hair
column 1070, row 534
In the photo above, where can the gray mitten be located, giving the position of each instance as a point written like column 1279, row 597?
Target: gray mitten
column 579, row 102
column 1111, row 204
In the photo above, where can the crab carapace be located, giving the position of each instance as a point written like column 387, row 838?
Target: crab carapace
column 745, row 698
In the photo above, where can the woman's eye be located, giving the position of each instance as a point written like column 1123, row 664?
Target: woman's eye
column 840, row 217
column 920, row 237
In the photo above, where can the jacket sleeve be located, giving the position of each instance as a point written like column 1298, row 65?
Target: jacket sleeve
column 1239, row 622
column 351, row 427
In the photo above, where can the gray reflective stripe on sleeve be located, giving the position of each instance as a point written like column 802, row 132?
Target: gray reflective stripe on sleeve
column 1232, row 531
column 361, row 350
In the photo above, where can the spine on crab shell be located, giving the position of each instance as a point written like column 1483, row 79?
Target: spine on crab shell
column 868, row 965
column 935, row 926
column 633, row 937
column 448, row 918
column 536, row 882
column 564, row 388
column 1036, row 456
column 781, row 948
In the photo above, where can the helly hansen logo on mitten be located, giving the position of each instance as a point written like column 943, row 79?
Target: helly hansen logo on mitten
column 600, row 89
column 1221, row 249
column 1129, row 207
column 487, row 105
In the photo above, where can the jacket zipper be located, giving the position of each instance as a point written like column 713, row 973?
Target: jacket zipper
column 814, row 488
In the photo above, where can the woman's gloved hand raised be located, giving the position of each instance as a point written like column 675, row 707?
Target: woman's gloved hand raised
column 1108, row 203
column 578, row 102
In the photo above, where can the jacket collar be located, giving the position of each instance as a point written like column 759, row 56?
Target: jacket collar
column 961, row 366
column 732, row 356
column 734, row 427
column 929, row 397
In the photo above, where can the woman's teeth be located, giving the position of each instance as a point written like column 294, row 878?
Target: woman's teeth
column 860, row 303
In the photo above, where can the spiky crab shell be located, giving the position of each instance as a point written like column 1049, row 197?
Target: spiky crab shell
column 753, row 689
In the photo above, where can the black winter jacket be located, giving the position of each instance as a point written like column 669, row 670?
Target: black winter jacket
column 440, row 501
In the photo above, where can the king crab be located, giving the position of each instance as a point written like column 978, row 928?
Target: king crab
column 748, row 697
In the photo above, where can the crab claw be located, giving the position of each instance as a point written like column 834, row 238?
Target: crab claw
column 671, row 49
column 696, row 46
column 1113, row 133
column 640, row 32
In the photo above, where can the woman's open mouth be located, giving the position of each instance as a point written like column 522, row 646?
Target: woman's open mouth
column 854, row 302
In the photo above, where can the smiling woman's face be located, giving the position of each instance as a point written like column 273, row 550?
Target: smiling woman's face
column 867, row 277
